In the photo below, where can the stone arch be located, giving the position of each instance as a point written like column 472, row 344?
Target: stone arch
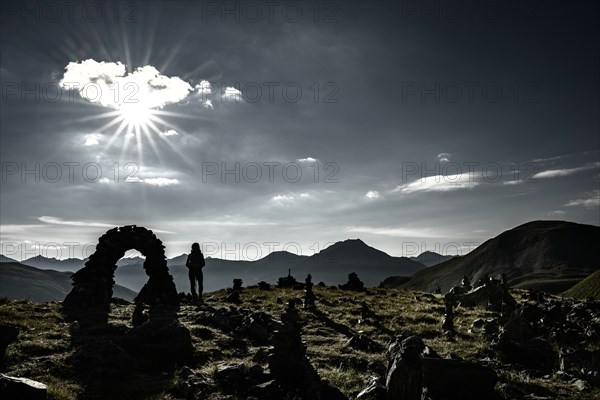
column 89, row 300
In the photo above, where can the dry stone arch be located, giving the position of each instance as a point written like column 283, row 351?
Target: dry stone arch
column 89, row 300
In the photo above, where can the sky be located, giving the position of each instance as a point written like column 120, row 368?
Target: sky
column 253, row 127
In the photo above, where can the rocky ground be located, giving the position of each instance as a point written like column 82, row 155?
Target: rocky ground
column 549, row 350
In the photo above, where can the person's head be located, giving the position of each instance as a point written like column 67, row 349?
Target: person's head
column 195, row 247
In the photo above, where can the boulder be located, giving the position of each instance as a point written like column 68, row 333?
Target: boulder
column 8, row 334
column 404, row 378
column 374, row 390
column 451, row 379
column 22, row 388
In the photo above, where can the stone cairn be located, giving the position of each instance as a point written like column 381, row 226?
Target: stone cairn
column 309, row 295
column 448, row 319
column 288, row 282
column 289, row 365
column 366, row 313
column 466, row 284
column 158, row 339
column 89, row 300
column 354, row 283
column 287, row 361
column 233, row 294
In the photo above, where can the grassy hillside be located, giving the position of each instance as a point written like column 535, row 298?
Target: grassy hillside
column 587, row 288
column 45, row 352
column 22, row 282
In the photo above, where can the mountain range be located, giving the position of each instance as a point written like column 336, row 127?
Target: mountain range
column 332, row 265
column 545, row 255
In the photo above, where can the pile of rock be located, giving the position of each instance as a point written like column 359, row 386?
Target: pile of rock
column 289, row 282
column 448, row 319
column 288, row 362
column 354, row 283
column 366, row 314
column 240, row 322
column 233, row 294
column 546, row 334
column 157, row 339
column 309, row 295
column 490, row 293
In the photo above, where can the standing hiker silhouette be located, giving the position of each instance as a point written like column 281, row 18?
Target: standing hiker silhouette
column 195, row 263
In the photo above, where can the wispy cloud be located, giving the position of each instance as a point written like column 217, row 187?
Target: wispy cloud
column 439, row 183
column 593, row 200
column 397, row 232
column 60, row 221
column 556, row 173
column 444, row 157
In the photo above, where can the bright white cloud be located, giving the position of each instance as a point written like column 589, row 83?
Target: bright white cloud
column 439, row 183
column 305, row 195
column 592, row 201
column 91, row 139
column 170, row 132
column 104, row 180
column 282, row 198
column 161, row 181
column 444, row 157
column 372, row 195
column 203, row 88
column 307, row 160
column 109, row 84
column 232, row 93
column 208, row 104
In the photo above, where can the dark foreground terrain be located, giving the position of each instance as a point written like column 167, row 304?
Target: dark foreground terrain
column 346, row 342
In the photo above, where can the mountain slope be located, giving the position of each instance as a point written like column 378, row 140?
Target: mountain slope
column 431, row 258
column 4, row 259
column 22, row 282
column 51, row 263
column 586, row 288
column 547, row 255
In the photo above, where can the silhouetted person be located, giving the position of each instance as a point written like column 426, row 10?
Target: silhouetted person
column 195, row 263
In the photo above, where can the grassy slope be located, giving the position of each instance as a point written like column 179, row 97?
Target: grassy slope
column 43, row 350
column 588, row 287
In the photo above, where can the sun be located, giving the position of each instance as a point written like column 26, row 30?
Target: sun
column 135, row 115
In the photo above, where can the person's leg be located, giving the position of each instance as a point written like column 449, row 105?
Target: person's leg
column 200, row 277
column 192, row 277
